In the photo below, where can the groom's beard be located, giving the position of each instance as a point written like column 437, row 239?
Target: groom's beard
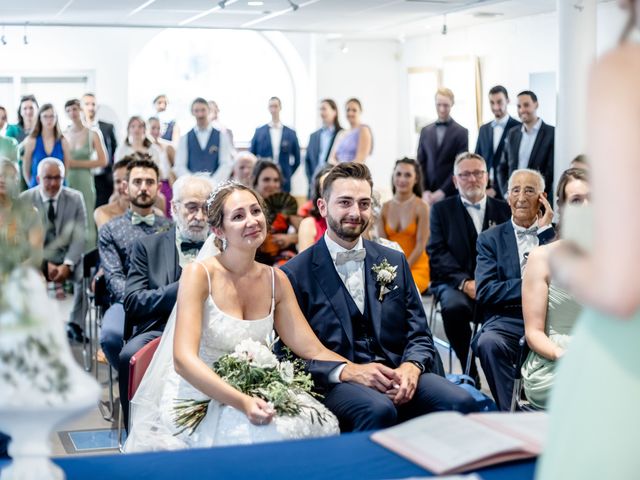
column 348, row 233
column 193, row 232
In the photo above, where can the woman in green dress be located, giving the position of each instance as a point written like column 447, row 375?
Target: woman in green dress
column 550, row 312
column 83, row 143
column 594, row 428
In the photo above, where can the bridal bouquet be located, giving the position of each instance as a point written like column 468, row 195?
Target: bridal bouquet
column 253, row 369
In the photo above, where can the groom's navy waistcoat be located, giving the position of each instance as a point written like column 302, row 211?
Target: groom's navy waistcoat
column 366, row 348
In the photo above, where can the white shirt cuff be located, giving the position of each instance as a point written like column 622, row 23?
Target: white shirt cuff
column 334, row 375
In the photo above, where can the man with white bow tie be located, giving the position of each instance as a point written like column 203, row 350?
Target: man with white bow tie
column 360, row 299
column 502, row 257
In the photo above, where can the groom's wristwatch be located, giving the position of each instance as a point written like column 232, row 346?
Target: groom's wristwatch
column 418, row 364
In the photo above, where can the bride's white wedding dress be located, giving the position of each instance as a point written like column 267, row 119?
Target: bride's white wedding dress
column 152, row 408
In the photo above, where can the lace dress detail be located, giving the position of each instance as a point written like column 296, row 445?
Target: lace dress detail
column 224, row 425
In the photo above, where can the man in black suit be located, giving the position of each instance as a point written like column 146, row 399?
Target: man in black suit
column 321, row 141
column 375, row 320
column 438, row 146
column 456, row 223
column 156, row 263
column 530, row 146
column 102, row 177
column 492, row 135
column 502, row 256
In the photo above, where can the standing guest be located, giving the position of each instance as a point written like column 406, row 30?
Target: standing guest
column 321, row 141
column 167, row 161
column 102, row 177
column 438, row 146
column 83, row 142
column 44, row 141
column 282, row 237
column 313, row 225
column 3, row 121
column 456, row 223
column 599, row 378
column 530, row 146
column 394, row 371
column 63, row 214
column 204, row 148
column 549, row 311
column 278, row 143
column 152, row 287
column 27, row 109
column 356, row 144
column 169, row 129
column 214, row 111
column 243, row 167
column 405, row 219
column 502, row 256
column 114, row 243
column 493, row 134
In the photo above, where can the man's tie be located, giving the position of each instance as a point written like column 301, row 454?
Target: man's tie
column 471, row 205
column 527, row 232
column 50, row 234
column 137, row 219
column 356, row 255
column 190, row 246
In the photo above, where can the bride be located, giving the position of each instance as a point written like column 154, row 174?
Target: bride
column 222, row 300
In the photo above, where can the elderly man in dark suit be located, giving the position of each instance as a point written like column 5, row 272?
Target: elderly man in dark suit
column 493, row 134
column 502, row 257
column 530, row 146
column 360, row 300
column 456, row 223
column 155, row 266
column 438, row 146
column 64, row 218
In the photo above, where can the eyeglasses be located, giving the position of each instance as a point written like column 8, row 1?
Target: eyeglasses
column 52, row 178
column 528, row 192
column 192, row 207
column 476, row 174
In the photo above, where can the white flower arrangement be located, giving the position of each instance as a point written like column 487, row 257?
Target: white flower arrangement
column 385, row 275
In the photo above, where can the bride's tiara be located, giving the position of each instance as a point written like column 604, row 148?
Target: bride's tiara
column 220, row 188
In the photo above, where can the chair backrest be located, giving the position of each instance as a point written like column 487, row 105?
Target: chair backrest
column 139, row 363
column 89, row 260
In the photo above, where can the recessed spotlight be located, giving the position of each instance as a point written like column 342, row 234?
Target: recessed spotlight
column 255, row 4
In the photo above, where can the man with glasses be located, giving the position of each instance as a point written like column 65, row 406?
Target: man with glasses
column 502, row 257
column 114, row 243
column 64, row 219
column 455, row 225
column 155, row 266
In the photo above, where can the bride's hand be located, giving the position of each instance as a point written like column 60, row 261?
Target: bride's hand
column 258, row 411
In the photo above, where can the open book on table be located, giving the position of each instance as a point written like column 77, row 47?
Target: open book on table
column 449, row 442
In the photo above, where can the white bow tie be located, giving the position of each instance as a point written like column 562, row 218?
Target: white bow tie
column 355, row 255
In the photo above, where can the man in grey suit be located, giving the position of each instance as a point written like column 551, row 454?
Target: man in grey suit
column 64, row 219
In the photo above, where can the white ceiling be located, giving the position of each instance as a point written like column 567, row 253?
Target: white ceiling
column 349, row 18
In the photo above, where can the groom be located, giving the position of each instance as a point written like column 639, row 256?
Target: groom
column 394, row 371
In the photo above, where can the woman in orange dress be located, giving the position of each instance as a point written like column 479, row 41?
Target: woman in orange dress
column 405, row 219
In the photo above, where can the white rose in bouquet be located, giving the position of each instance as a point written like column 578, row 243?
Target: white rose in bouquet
column 286, row 371
column 255, row 353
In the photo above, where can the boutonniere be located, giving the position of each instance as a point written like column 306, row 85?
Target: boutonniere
column 385, row 275
column 213, row 149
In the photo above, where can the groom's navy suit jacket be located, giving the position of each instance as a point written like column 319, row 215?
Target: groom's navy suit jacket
column 399, row 322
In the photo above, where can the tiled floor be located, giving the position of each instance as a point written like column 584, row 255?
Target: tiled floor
column 92, row 434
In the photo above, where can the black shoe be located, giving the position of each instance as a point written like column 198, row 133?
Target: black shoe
column 75, row 333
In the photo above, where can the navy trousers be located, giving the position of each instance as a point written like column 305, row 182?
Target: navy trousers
column 457, row 313
column 360, row 408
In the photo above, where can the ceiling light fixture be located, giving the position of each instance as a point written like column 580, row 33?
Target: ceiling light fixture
column 277, row 14
column 206, row 12
column 294, row 6
column 444, row 24
column 25, row 40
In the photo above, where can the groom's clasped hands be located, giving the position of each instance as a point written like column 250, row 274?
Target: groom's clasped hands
column 398, row 384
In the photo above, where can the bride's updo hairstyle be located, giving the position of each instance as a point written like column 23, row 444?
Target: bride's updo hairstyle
column 215, row 205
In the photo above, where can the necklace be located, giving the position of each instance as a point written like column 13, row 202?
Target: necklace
column 403, row 202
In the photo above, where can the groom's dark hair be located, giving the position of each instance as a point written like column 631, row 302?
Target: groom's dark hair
column 357, row 171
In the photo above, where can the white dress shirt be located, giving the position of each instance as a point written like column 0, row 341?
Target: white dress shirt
column 498, row 129
column 275, row 132
column 351, row 273
column 225, row 154
column 526, row 243
column 477, row 215
column 526, row 143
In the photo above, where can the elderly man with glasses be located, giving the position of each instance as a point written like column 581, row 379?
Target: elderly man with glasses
column 456, row 223
column 502, row 257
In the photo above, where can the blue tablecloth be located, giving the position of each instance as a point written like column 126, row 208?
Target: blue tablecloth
column 349, row 456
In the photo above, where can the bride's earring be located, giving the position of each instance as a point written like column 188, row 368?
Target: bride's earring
column 224, row 244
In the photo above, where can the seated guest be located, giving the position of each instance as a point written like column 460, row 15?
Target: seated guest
column 549, row 311
column 502, row 256
column 405, row 219
column 355, row 144
column 119, row 201
column 376, row 322
column 277, row 142
column 313, row 225
column 204, row 148
column 243, row 168
column 456, row 223
column 280, row 244
column 114, row 243
column 152, row 285
column 64, row 218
